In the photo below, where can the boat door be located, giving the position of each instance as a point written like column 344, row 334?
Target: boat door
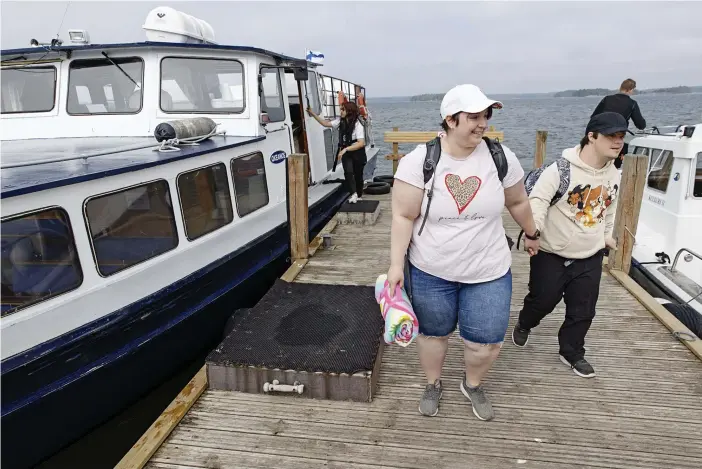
column 275, row 117
column 319, row 138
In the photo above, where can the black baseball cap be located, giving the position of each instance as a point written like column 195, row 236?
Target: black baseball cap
column 607, row 123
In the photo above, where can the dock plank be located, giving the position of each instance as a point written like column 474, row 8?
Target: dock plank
column 641, row 411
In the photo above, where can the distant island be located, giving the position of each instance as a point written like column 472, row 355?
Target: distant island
column 604, row 92
column 581, row 93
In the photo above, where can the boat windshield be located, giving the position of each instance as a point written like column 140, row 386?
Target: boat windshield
column 28, row 89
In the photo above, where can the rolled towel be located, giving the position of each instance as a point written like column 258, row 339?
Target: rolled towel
column 401, row 324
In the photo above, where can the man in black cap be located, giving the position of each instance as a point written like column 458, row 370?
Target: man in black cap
column 574, row 233
column 624, row 104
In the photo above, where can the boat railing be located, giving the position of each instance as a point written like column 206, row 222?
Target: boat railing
column 687, row 258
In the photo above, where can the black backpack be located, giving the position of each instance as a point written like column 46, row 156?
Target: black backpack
column 533, row 176
column 431, row 160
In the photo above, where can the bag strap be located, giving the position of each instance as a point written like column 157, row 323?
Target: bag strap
column 431, row 160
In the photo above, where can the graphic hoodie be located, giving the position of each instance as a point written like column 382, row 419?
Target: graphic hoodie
column 576, row 226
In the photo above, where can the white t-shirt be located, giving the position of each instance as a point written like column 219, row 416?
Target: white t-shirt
column 358, row 133
column 463, row 239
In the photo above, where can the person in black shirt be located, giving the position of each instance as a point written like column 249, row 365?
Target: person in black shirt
column 623, row 104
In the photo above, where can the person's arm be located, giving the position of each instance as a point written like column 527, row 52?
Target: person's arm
column 517, row 203
column 406, row 205
column 407, row 196
column 637, row 117
column 610, row 213
column 323, row 122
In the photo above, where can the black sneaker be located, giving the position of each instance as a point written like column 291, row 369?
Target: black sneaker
column 520, row 336
column 580, row 367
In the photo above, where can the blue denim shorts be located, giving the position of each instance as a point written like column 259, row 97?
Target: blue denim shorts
column 481, row 310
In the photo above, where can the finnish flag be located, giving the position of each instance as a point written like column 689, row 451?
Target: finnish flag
column 315, row 57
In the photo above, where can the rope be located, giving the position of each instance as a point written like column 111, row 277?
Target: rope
column 172, row 143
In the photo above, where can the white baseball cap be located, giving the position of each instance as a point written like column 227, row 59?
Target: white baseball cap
column 466, row 98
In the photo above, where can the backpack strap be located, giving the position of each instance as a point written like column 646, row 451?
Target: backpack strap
column 430, row 161
column 498, row 156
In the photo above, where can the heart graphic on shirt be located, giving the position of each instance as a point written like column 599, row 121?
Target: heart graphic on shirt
column 462, row 191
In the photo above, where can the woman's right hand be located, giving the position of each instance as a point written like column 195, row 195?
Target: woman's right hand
column 396, row 276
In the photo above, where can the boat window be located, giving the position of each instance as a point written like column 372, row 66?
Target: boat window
column 105, row 86
column 130, row 226
column 27, row 89
column 697, row 188
column 250, row 185
column 205, row 200
column 661, row 167
column 272, row 94
column 197, row 85
column 313, row 92
column 39, row 259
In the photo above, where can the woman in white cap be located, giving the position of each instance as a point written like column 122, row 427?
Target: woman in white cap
column 459, row 261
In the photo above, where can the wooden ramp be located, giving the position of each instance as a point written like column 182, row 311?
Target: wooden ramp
column 643, row 410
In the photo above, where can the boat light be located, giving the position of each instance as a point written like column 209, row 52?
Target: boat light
column 78, row 36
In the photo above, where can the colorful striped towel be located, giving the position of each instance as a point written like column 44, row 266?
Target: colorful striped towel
column 401, row 325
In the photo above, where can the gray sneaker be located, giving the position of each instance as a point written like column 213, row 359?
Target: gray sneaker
column 429, row 403
column 481, row 404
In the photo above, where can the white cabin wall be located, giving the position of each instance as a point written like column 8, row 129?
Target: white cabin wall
column 59, row 123
column 98, row 296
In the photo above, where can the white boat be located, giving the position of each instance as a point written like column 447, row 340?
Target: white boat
column 123, row 255
column 666, row 258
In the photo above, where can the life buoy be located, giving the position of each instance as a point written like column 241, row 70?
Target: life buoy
column 361, row 101
column 341, row 97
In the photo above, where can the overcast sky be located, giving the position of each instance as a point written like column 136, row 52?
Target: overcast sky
column 404, row 48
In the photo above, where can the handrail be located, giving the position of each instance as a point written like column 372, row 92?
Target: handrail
column 677, row 255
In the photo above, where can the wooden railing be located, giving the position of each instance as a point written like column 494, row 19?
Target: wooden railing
column 397, row 137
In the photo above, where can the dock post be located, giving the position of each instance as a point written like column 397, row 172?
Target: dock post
column 395, row 152
column 630, row 193
column 298, row 203
column 540, row 152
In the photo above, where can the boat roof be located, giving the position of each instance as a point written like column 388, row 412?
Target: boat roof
column 150, row 44
column 105, row 156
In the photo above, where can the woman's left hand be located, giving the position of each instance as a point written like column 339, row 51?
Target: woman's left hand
column 341, row 153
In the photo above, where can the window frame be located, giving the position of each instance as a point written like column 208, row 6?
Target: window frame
column 71, row 232
column 53, row 104
column 281, row 92
column 124, row 189
column 180, row 201
column 265, row 173
column 116, row 59
column 189, row 111
column 697, row 160
column 650, row 168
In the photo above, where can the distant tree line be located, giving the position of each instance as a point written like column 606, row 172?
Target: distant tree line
column 582, row 93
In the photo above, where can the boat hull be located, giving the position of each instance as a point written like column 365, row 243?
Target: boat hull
column 138, row 348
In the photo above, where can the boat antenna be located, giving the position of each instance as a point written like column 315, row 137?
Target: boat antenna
column 120, row 69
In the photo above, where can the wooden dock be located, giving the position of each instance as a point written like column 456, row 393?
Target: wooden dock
column 643, row 410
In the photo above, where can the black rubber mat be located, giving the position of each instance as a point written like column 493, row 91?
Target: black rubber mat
column 306, row 327
column 362, row 206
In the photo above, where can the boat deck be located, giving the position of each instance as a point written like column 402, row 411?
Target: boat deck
column 643, row 410
column 105, row 156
